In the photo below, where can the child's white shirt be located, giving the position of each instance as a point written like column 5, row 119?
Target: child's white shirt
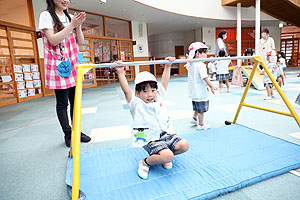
column 222, row 66
column 152, row 117
column 211, row 67
column 272, row 68
column 196, row 85
column 282, row 62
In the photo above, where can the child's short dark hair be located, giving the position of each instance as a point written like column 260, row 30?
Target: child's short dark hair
column 249, row 51
column 201, row 50
column 282, row 54
column 222, row 53
column 142, row 86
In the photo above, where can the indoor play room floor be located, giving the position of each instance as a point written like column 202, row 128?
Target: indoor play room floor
column 34, row 157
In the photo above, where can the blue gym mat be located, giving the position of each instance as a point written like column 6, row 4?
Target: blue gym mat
column 219, row 161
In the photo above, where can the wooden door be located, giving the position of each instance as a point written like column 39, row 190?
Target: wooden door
column 290, row 47
column 179, row 50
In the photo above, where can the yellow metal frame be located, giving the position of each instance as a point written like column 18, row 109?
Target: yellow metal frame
column 76, row 127
column 257, row 60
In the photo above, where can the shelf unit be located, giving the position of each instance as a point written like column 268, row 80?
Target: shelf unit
column 126, row 55
column 87, row 49
column 7, row 90
column 18, row 57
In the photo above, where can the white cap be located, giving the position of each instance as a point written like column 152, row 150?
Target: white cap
column 195, row 46
column 144, row 76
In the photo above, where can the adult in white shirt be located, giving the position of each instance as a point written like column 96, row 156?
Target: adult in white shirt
column 220, row 44
column 266, row 44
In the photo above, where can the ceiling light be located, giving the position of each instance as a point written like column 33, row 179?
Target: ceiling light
column 102, row 1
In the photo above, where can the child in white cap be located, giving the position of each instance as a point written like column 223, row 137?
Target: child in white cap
column 152, row 128
column 197, row 84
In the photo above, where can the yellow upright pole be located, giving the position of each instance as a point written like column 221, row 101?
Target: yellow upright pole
column 76, row 132
column 278, row 88
column 245, row 91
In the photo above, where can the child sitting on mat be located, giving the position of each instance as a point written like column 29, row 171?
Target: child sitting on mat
column 152, row 128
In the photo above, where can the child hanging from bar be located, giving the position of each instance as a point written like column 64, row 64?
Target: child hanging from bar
column 152, row 128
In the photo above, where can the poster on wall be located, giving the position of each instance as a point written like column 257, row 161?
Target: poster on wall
column 122, row 55
column 28, row 76
column 37, row 83
column 36, row 75
column 18, row 68
column 26, row 68
column 20, row 85
column 29, row 84
column 19, row 77
column 34, row 68
column 98, row 50
column 22, row 93
column 114, row 47
column 106, row 50
column 31, row 92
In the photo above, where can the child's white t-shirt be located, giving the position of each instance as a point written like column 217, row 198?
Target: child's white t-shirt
column 196, row 85
column 211, row 67
column 282, row 62
column 151, row 117
column 222, row 66
column 272, row 68
column 46, row 21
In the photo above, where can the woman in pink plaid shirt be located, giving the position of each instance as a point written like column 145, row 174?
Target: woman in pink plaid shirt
column 61, row 32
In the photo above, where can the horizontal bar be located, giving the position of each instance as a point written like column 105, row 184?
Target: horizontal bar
column 152, row 62
column 267, row 109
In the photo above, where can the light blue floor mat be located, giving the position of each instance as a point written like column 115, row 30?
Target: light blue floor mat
column 219, row 161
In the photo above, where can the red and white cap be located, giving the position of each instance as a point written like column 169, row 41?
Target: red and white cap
column 144, row 76
column 195, row 46
column 272, row 53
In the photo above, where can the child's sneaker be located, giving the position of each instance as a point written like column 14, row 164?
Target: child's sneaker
column 273, row 96
column 203, row 127
column 267, row 98
column 228, row 90
column 143, row 169
column 194, row 121
column 168, row 165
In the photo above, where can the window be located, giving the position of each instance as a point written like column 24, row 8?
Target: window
column 117, row 28
column 15, row 11
column 93, row 25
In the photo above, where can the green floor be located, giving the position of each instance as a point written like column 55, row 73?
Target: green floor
column 34, row 158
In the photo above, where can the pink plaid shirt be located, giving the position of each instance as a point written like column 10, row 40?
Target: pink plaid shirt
column 52, row 54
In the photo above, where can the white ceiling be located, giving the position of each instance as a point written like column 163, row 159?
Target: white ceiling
column 158, row 21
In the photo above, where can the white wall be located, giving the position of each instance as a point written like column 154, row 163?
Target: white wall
column 38, row 7
column 198, row 34
column 209, row 37
column 212, row 9
column 189, row 38
column 140, row 40
column 162, row 45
